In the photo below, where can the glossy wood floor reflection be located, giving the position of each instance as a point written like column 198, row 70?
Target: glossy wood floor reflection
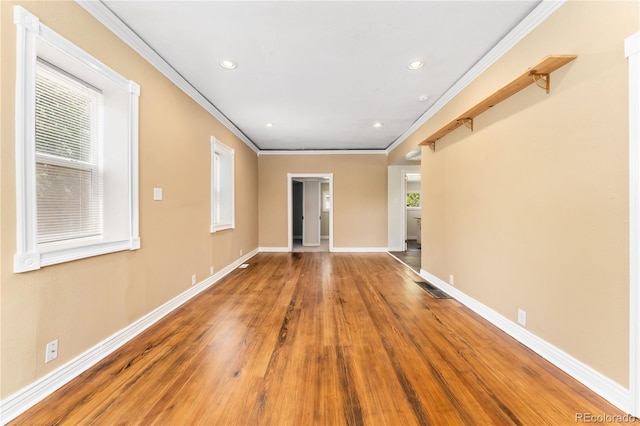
column 320, row 338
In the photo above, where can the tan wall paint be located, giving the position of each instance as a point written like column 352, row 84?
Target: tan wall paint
column 359, row 197
column 83, row 302
column 531, row 209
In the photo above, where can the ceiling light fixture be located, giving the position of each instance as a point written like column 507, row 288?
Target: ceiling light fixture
column 269, row 125
column 228, row 64
column 415, row 65
column 423, row 98
column 378, row 124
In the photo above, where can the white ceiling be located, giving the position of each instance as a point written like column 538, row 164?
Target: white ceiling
column 321, row 71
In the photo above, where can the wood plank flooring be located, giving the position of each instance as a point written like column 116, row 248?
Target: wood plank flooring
column 320, row 338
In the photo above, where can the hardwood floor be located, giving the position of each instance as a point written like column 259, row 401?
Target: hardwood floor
column 320, row 338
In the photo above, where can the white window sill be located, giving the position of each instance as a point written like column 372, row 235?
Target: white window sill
column 217, row 228
column 24, row 262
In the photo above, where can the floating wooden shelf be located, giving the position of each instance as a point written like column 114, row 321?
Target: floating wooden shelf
column 539, row 74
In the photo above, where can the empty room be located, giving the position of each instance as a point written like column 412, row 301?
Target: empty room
column 319, row 212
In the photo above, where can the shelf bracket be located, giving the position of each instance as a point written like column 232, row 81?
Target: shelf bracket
column 545, row 79
column 468, row 122
column 432, row 145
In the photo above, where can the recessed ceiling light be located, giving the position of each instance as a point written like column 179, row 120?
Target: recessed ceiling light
column 269, row 125
column 415, row 65
column 423, row 98
column 228, row 64
column 378, row 124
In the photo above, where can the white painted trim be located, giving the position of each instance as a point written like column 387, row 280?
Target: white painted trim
column 290, row 177
column 325, row 152
column 226, row 155
column 274, row 249
column 632, row 52
column 16, row 404
column 594, row 380
column 107, row 18
column 29, row 255
column 359, row 250
column 528, row 24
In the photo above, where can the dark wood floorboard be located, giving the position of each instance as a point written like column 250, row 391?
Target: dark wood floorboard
column 320, row 338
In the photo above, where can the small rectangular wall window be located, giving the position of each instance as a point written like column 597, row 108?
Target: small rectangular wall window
column 413, row 200
column 76, row 151
column 222, row 186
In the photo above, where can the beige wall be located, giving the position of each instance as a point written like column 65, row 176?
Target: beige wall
column 530, row 210
column 83, row 302
column 359, row 197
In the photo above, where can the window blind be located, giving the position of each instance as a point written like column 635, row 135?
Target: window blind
column 68, row 172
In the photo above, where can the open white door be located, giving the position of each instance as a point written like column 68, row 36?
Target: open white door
column 311, row 218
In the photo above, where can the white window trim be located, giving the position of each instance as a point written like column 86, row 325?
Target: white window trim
column 28, row 256
column 228, row 153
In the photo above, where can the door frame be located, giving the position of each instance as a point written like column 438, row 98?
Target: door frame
column 632, row 52
column 403, row 175
column 290, row 179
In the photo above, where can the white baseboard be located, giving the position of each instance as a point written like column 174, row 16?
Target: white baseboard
column 16, row 404
column 594, row 380
column 273, row 249
column 399, row 248
column 359, row 249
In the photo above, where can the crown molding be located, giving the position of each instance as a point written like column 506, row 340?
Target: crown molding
column 107, row 18
column 104, row 15
column 528, row 24
column 325, row 152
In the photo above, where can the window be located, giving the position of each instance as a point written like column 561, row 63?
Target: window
column 76, row 151
column 68, row 175
column 413, row 200
column 222, row 186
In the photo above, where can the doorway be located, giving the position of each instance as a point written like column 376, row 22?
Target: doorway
column 310, row 212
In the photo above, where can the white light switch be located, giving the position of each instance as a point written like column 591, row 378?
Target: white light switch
column 157, row 194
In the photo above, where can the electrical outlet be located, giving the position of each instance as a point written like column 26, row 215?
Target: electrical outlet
column 451, row 281
column 522, row 317
column 240, row 252
column 193, row 279
column 211, row 270
column 52, row 351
